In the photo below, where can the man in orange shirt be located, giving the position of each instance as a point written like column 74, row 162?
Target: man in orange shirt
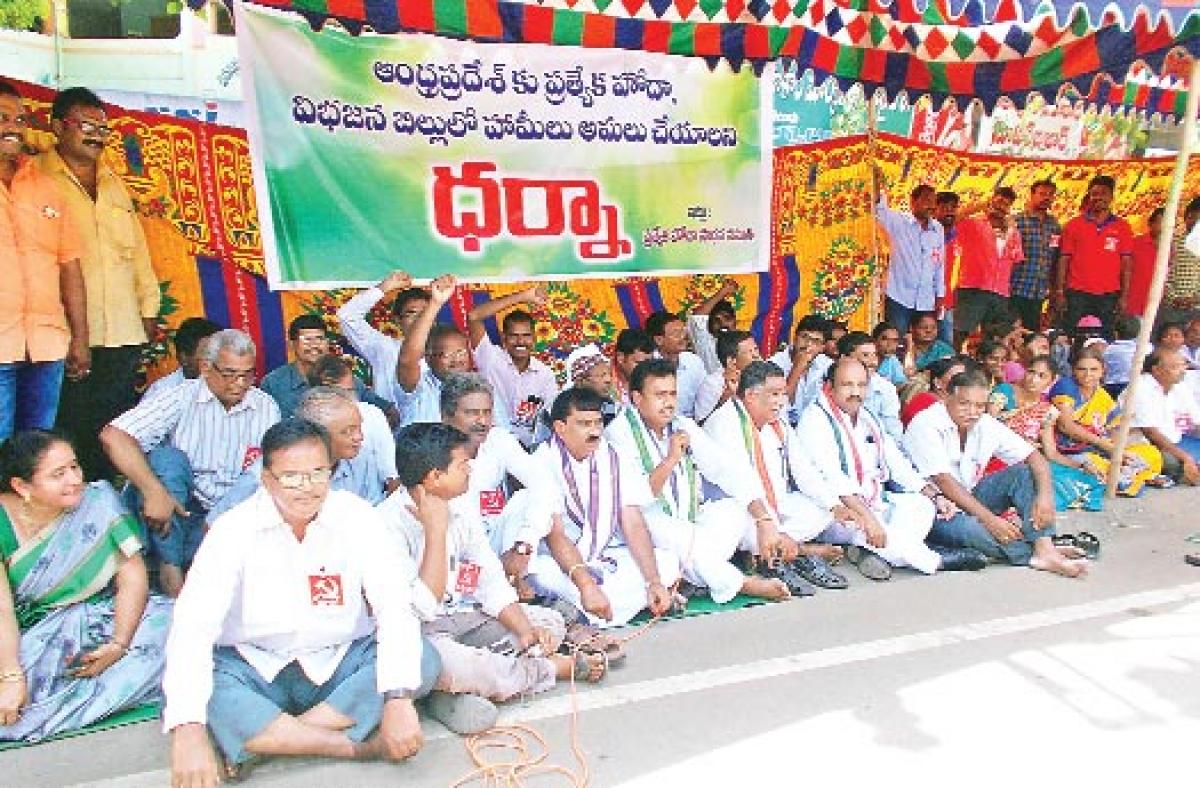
column 122, row 289
column 43, row 309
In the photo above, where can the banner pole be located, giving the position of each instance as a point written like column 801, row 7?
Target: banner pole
column 1158, row 282
column 873, row 304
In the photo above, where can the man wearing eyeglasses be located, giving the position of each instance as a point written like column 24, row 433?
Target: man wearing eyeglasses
column 183, row 450
column 431, row 351
column 296, row 633
column 122, row 288
column 43, row 317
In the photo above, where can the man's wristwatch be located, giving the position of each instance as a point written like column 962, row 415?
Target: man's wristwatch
column 522, row 548
column 398, row 695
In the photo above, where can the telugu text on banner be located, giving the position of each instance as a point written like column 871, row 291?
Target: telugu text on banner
column 496, row 162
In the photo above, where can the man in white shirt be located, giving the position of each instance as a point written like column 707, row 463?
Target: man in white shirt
column 706, row 322
column 679, row 457
column 335, row 371
column 633, row 346
column 599, row 556
column 881, row 400
column 735, row 350
column 893, row 505
column 182, row 451
column 1166, row 414
column 355, row 467
column 428, row 354
column 514, row 524
column 751, row 431
column 380, row 350
column 521, row 381
column 295, row 633
column 669, row 334
column 1007, row 515
column 490, row 644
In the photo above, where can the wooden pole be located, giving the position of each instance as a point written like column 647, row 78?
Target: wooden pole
column 876, row 280
column 1154, row 298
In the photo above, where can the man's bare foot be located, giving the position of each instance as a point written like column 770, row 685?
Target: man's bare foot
column 372, row 749
column 772, row 588
column 832, row 553
column 1059, row 565
column 585, row 667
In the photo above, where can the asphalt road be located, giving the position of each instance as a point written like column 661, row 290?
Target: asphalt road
column 991, row 678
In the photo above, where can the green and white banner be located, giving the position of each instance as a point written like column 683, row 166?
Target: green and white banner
column 496, row 162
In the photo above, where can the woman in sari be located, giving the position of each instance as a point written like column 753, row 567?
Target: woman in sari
column 1087, row 417
column 924, row 347
column 80, row 637
column 1078, row 484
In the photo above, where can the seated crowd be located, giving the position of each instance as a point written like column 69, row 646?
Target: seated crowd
column 296, row 567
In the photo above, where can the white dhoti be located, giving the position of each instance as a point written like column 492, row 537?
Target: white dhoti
column 619, row 576
column 803, row 518
column 705, row 547
column 906, row 519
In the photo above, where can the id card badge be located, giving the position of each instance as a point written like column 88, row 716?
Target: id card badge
column 491, row 502
column 1110, row 244
column 467, row 581
column 325, row 590
column 1054, row 241
column 251, row 456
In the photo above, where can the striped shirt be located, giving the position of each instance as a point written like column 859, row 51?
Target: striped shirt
column 1040, row 237
column 916, row 274
column 219, row 443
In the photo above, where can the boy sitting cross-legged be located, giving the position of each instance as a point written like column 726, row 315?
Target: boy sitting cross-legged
column 490, row 644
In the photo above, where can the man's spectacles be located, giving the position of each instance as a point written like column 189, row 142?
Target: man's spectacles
column 21, row 120
column 452, row 355
column 312, row 339
column 295, row 480
column 89, row 128
column 234, row 375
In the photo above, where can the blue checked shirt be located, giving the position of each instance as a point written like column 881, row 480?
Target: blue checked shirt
column 1041, row 238
column 916, row 272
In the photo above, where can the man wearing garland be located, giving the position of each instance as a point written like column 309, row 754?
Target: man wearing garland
column 600, row 557
column 677, row 455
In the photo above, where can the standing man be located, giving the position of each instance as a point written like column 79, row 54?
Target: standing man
column 1097, row 249
column 991, row 246
column 122, row 288
column 379, row 349
column 524, row 385
column 1182, row 294
column 946, row 212
column 916, row 274
column 633, row 346
column 1041, row 237
column 183, row 450
column 43, row 305
column 427, row 355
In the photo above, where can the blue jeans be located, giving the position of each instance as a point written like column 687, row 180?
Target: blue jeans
column 243, row 703
column 946, row 328
column 178, row 546
column 899, row 315
column 1012, row 488
column 1173, row 467
column 29, row 392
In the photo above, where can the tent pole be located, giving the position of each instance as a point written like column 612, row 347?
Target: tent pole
column 1154, row 298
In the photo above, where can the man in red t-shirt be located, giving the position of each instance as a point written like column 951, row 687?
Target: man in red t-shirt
column 991, row 246
column 1145, row 250
column 1096, row 261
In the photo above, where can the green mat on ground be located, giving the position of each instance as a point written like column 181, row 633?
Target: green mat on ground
column 703, row 605
column 147, row 711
